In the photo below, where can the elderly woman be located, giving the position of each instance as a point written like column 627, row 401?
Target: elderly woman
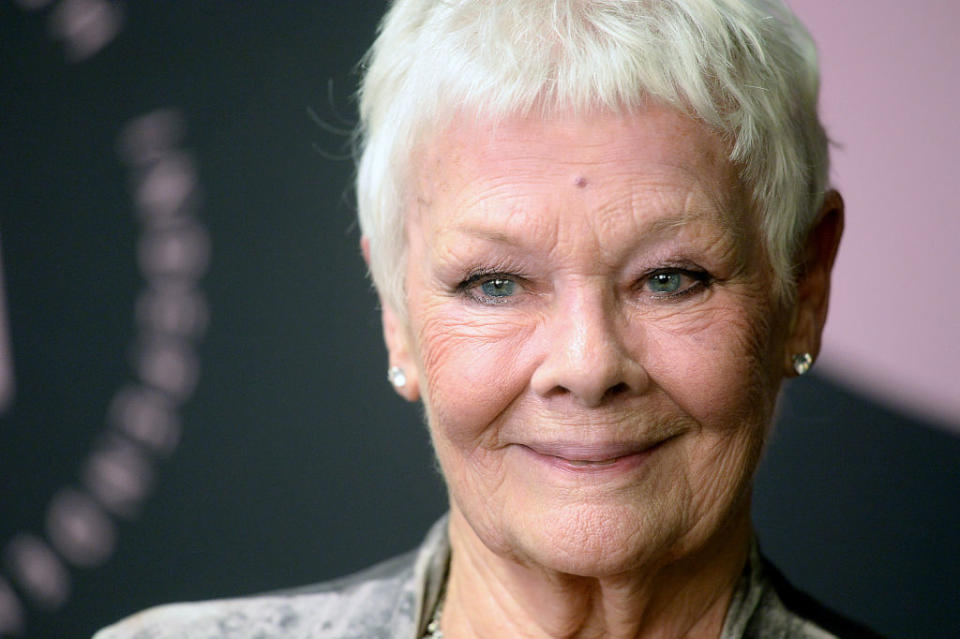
column 602, row 237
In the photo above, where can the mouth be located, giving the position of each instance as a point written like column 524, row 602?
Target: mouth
column 593, row 457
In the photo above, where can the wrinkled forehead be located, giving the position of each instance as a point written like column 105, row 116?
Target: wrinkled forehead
column 678, row 165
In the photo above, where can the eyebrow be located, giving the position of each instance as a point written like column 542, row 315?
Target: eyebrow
column 718, row 217
column 652, row 229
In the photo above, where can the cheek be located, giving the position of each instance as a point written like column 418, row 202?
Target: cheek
column 723, row 375
column 472, row 368
column 719, row 365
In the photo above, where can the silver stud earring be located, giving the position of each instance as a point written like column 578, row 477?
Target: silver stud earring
column 397, row 377
column 802, row 362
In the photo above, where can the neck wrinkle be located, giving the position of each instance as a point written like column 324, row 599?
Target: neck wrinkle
column 488, row 595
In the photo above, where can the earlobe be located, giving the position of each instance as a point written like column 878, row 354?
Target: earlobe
column 813, row 282
column 401, row 366
column 365, row 249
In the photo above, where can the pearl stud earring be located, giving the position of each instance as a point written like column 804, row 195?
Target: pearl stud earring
column 397, row 377
column 802, row 362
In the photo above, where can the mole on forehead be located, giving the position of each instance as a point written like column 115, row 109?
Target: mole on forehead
column 579, row 181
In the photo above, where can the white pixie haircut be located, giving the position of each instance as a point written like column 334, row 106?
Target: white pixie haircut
column 747, row 68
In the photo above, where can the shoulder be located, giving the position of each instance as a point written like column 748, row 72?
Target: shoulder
column 372, row 603
column 785, row 612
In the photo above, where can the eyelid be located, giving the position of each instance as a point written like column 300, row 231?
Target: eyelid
column 483, row 274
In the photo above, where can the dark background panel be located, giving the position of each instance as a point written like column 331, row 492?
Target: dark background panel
column 296, row 462
column 858, row 505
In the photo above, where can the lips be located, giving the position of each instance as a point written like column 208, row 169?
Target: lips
column 592, row 458
column 588, row 454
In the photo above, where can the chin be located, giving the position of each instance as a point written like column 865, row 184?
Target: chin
column 591, row 540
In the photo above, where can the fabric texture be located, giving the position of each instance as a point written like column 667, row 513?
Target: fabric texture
column 394, row 600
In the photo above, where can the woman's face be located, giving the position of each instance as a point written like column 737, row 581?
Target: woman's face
column 592, row 323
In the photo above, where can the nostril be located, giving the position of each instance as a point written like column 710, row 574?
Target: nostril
column 617, row 389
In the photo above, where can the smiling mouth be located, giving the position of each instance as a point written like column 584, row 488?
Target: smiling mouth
column 577, row 457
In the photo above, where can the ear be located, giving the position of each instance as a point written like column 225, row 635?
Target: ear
column 813, row 281
column 396, row 337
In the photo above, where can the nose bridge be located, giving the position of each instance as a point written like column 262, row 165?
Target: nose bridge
column 585, row 356
column 587, row 318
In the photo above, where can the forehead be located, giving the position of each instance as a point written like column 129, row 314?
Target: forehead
column 656, row 164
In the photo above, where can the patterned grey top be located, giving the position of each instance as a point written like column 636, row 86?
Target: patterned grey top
column 396, row 598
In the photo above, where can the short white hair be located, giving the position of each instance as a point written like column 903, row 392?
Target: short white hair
column 747, row 68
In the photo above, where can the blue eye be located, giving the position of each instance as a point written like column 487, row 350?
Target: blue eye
column 665, row 283
column 498, row 287
column 492, row 287
column 672, row 283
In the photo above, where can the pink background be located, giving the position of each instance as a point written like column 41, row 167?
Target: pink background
column 890, row 103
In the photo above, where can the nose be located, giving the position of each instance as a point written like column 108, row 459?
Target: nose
column 585, row 355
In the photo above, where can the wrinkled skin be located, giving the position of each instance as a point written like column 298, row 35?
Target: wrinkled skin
column 593, row 328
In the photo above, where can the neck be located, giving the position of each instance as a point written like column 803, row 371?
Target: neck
column 489, row 595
